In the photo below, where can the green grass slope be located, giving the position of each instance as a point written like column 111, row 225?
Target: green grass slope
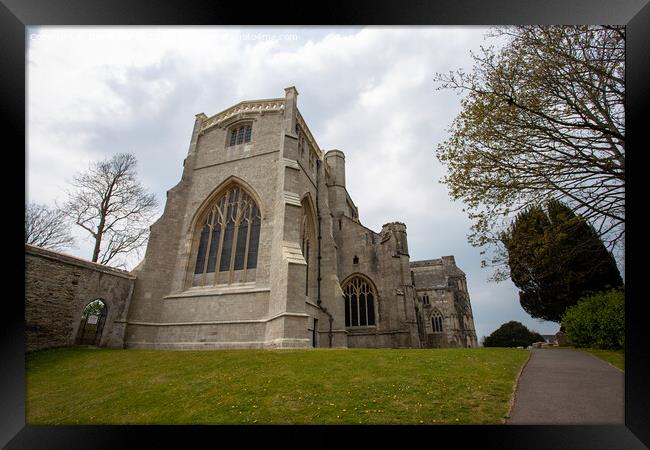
column 318, row 386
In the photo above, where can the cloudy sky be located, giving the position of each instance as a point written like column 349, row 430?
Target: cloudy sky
column 95, row 92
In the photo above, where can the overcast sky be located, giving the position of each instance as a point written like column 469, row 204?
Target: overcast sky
column 95, row 92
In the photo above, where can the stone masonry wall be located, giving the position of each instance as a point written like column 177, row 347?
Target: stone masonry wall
column 57, row 289
column 445, row 286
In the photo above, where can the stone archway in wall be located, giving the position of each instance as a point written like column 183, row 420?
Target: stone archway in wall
column 93, row 319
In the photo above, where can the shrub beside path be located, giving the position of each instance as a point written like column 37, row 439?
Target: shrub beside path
column 568, row 387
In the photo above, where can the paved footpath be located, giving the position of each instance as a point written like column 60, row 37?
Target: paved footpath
column 568, row 387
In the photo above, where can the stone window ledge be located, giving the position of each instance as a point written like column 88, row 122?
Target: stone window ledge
column 237, row 288
column 361, row 329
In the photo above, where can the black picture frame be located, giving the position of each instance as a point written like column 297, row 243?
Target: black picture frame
column 16, row 15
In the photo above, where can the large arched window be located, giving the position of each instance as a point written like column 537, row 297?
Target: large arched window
column 228, row 238
column 436, row 322
column 359, row 302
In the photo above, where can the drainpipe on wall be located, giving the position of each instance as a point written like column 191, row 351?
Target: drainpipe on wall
column 318, row 300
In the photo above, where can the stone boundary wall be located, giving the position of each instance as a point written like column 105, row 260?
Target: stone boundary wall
column 57, row 289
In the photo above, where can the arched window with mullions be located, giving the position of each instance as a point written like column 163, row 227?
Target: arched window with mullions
column 228, row 237
column 240, row 134
column 436, row 322
column 359, row 302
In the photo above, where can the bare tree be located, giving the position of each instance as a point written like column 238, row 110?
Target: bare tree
column 47, row 227
column 109, row 203
column 543, row 119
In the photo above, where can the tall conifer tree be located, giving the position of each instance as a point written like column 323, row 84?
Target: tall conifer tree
column 555, row 257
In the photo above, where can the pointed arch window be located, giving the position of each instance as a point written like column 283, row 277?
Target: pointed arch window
column 307, row 238
column 359, row 302
column 228, row 240
column 305, row 244
column 436, row 322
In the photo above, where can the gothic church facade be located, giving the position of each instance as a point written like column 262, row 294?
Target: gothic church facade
column 260, row 246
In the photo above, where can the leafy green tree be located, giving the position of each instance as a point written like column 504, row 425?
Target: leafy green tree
column 512, row 334
column 542, row 118
column 555, row 257
column 597, row 321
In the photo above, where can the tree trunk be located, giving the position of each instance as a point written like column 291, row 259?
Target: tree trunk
column 98, row 238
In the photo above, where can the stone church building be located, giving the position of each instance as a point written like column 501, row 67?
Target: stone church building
column 260, row 246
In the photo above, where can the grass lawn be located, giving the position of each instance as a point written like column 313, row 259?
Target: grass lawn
column 323, row 386
column 614, row 357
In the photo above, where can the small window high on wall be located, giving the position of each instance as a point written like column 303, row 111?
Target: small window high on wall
column 240, row 134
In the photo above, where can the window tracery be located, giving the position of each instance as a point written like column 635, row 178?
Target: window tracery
column 436, row 322
column 359, row 302
column 228, row 240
